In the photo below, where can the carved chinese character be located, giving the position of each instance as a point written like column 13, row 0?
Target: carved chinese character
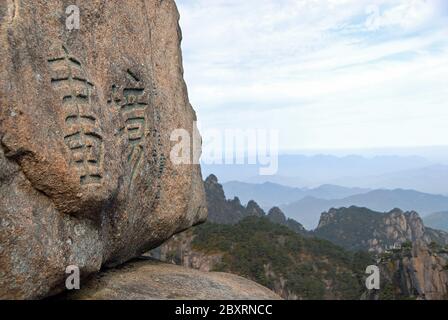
column 132, row 101
column 82, row 131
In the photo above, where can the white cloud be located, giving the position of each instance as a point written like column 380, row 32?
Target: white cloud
column 410, row 14
column 327, row 73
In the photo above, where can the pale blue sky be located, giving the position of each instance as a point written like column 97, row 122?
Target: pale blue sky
column 326, row 73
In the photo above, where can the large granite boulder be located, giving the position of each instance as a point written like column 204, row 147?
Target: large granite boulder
column 85, row 122
column 154, row 280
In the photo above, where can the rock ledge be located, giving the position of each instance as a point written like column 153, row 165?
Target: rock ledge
column 148, row 279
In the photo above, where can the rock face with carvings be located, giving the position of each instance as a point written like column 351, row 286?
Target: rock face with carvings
column 86, row 117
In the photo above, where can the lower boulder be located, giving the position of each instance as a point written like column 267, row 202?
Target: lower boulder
column 148, row 279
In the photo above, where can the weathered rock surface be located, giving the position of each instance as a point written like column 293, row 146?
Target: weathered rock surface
column 179, row 250
column 418, row 272
column 152, row 279
column 85, row 123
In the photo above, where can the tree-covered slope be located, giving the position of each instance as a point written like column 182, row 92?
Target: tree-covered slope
column 273, row 255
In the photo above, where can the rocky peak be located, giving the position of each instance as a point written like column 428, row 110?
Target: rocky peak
column 223, row 211
column 236, row 201
column 211, row 179
column 213, row 188
column 327, row 217
column 277, row 216
column 363, row 229
column 253, row 209
column 405, row 225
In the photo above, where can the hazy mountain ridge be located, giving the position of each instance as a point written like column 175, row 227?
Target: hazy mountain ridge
column 308, row 210
column 438, row 220
column 377, row 172
column 356, row 228
column 270, row 194
column 428, row 179
column 298, row 170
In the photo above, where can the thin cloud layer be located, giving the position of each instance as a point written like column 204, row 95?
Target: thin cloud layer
column 327, row 74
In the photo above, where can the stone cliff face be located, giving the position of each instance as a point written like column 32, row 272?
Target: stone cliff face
column 416, row 271
column 222, row 210
column 85, row 123
column 225, row 211
column 412, row 258
column 178, row 250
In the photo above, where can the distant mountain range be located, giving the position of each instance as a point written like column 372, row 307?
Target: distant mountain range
column 438, row 220
column 307, row 210
column 430, row 179
column 380, row 172
column 269, row 194
column 317, row 169
column 305, row 205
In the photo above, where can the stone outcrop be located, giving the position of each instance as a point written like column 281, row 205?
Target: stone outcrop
column 179, row 250
column 220, row 209
column 253, row 209
column 154, row 280
column 416, row 271
column 231, row 211
column 276, row 215
column 85, row 122
column 357, row 228
column 413, row 259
